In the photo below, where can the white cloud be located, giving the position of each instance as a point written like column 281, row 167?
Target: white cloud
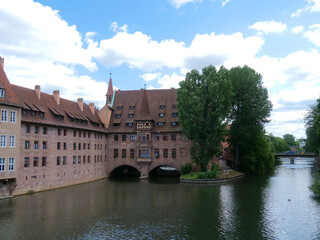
column 312, row 6
column 224, row 2
column 148, row 77
column 297, row 29
column 179, row 3
column 269, row 27
column 172, row 81
column 314, row 34
column 115, row 27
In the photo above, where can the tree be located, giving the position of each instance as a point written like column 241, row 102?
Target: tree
column 312, row 121
column 204, row 101
column 250, row 111
column 279, row 144
column 290, row 139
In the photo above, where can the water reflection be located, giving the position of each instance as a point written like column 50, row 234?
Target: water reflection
column 279, row 206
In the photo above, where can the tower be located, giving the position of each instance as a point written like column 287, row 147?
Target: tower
column 109, row 94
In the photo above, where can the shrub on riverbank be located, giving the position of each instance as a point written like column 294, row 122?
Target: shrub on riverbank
column 206, row 175
column 315, row 187
column 186, row 168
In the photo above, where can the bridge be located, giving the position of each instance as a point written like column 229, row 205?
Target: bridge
column 292, row 156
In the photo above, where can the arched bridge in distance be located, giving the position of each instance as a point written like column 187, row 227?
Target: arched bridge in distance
column 293, row 155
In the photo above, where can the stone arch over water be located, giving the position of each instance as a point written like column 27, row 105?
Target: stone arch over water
column 125, row 170
column 164, row 170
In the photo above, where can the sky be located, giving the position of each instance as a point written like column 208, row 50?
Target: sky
column 74, row 45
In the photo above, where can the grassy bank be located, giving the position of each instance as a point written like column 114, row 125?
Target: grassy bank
column 202, row 175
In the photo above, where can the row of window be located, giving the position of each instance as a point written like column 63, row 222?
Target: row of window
column 60, row 160
column 160, row 124
column 131, row 115
column 63, row 132
column 5, row 116
column 3, row 141
column 145, row 153
column 145, row 137
column 63, row 145
column 162, row 106
column 3, row 164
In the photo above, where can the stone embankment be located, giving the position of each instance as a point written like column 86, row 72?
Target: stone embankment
column 213, row 181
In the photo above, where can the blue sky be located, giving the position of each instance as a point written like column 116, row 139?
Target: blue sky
column 73, row 45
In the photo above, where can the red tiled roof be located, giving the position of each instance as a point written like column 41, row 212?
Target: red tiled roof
column 140, row 99
column 66, row 109
column 110, row 88
column 10, row 96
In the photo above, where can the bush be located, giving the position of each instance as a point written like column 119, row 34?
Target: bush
column 201, row 175
column 315, row 187
column 186, row 168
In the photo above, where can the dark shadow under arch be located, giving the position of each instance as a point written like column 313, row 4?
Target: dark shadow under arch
column 164, row 171
column 125, row 171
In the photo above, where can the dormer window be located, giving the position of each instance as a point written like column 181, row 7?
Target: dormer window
column 174, row 124
column 132, row 107
column 130, row 115
column 118, row 115
column 174, row 106
column 2, row 93
column 175, row 114
column 161, row 114
column 162, row 106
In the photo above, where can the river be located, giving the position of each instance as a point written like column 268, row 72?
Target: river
column 278, row 206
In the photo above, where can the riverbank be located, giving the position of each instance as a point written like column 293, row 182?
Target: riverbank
column 225, row 178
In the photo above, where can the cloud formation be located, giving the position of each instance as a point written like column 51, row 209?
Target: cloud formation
column 312, row 6
column 269, row 27
column 179, row 3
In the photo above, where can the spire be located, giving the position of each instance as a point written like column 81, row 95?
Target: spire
column 109, row 94
column 145, row 114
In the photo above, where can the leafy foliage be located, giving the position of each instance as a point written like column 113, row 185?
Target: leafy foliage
column 186, row 168
column 312, row 121
column 279, row 145
column 250, row 111
column 315, row 187
column 290, row 139
column 204, row 101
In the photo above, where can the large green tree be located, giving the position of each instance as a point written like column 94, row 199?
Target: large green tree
column 250, row 111
column 312, row 121
column 279, row 144
column 204, row 101
column 290, row 139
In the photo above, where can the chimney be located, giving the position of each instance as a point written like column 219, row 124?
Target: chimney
column 91, row 106
column 1, row 62
column 80, row 104
column 56, row 95
column 37, row 90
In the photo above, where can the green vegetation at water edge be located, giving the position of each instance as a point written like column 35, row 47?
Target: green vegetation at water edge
column 202, row 175
column 315, row 187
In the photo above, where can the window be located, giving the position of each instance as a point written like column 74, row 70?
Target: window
column 116, row 124
column 11, row 164
column 175, row 114
column 4, row 115
column 88, row 134
column 74, row 160
column 148, row 153
column 33, row 113
column 79, row 159
column 162, row 106
column 88, row 159
column 157, row 137
column 44, row 145
column 84, row 134
column 64, row 160
column 173, row 152
column 59, row 131
column 35, row 162
column 132, row 137
column 58, row 161
column 165, row 153
column 12, row 141
column 116, row 137
column 44, row 161
column 84, row 146
column 174, row 106
column 27, row 128
column 129, row 124
column 132, row 153
column 26, row 162
column 44, row 130
column 79, row 133
column 35, row 145
column 79, row 146
column 132, row 107
column 118, row 115
column 3, row 141
column 13, row 115
column 2, row 164
column 174, row 124
column 74, row 133
column 124, row 153
column 65, row 132
column 26, row 145
column 2, row 93
column 120, row 107
column 157, row 153
column 139, row 137
column 84, row 159
column 88, row 146
column 173, row 137
column 58, row 145
column 161, row 114
column 64, row 146
column 115, row 153
column 161, row 123
column 41, row 114
column 24, row 111
column 36, row 129
column 130, row 115
column 124, row 137
column 165, row 137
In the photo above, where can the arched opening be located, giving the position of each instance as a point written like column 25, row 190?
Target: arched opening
column 164, row 171
column 125, row 171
